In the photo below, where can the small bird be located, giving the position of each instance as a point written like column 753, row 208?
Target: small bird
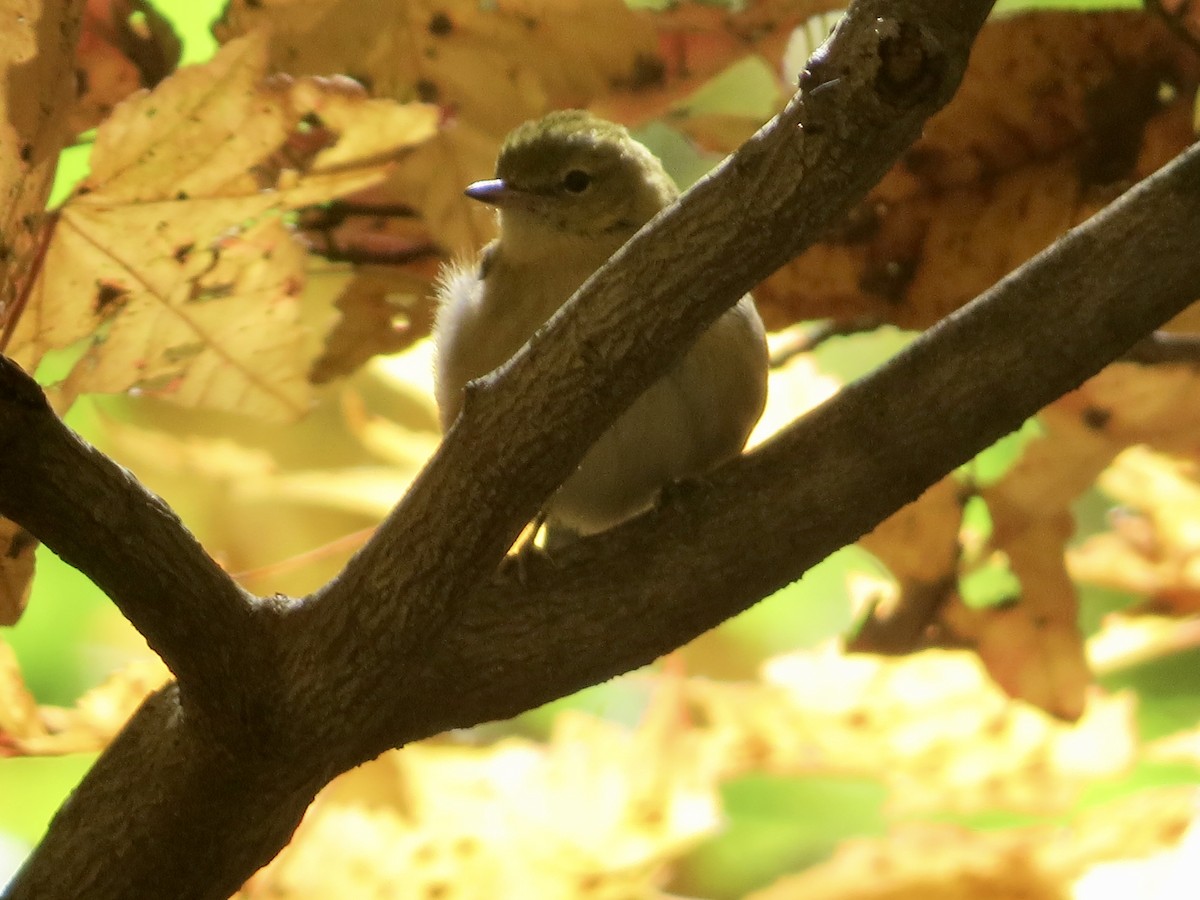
column 570, row 189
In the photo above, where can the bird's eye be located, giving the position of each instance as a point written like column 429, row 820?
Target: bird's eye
column 576, row 181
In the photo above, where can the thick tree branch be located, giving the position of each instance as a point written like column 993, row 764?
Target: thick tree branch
column 197, row 790
column 99, row 519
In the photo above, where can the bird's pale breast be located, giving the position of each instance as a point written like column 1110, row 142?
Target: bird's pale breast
column 685, row 424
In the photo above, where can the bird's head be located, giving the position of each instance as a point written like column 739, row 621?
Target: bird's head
column 572, row 174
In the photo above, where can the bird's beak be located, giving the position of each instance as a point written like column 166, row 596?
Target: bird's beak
column 496, row 192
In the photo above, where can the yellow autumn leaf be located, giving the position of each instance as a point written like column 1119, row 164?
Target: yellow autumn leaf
column 432, row 182
column 1171, row 873
column 906, row 721
column 18, row 710
column 282, row 509
column 227, row 337
column 1153, row 548
column 598, row 806
column 490, row 67
column 927, row 861
column 100, row 713
column 919, row 543
column 40, row 84
column 29, row 730
column 172, row 255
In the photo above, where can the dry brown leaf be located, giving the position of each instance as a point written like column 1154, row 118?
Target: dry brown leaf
column 997, row 176
column 171, row 253
column 920, row 541
column 1088, row 104
column 108, row 77
column 382, row 311
column 492, row 66
column 919, row 545
column 1083, row 431
column 1184, row 15
column 17, row 551
column 1032, row 646
column 1132, row 404
column 140, row 32
column 125, row 45
column 1038, row 659
column 1035, row 649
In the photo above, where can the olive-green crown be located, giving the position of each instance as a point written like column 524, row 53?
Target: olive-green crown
column 544, row 145
column 564, row 125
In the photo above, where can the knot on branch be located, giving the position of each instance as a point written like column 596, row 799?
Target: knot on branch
column 912, row 66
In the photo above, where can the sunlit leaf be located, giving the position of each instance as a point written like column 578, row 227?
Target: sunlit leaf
column 933, row 726
column 40, row 85
column 170, row 256
column 597, row 806
column 945, row 862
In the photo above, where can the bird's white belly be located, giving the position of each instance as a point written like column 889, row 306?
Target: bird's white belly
column 688, row 422
column 694, row 418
